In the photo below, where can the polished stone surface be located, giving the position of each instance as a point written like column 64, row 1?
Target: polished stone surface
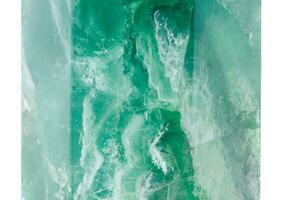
column 141, row 99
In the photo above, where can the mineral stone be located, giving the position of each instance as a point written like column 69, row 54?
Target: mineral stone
column 141, row 99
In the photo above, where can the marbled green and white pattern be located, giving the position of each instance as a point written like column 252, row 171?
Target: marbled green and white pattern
column 141, row 99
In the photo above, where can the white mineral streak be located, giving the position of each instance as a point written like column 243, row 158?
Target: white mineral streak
column 198, row 112
column 59, row 20
column 118, row 185
column 60, row 176
column 145, row 186
column 156, row 155
column 28, row 88
column 91, row 159
column 171, row 49
column 91, row 70
column 131, row 131
column 99, row 72
column 154, row 80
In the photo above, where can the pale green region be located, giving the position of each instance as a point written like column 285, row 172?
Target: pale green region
column 45, row 99
column 141, row 100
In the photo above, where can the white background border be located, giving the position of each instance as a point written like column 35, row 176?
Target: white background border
column 280, row 160
column 10, row 100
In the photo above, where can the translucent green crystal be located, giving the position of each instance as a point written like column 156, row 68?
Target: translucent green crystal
column 141, row 99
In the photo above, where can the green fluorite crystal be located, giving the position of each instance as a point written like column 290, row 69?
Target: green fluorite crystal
column 141, row 99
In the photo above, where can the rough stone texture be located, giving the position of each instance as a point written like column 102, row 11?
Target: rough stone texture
column 141, row 99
